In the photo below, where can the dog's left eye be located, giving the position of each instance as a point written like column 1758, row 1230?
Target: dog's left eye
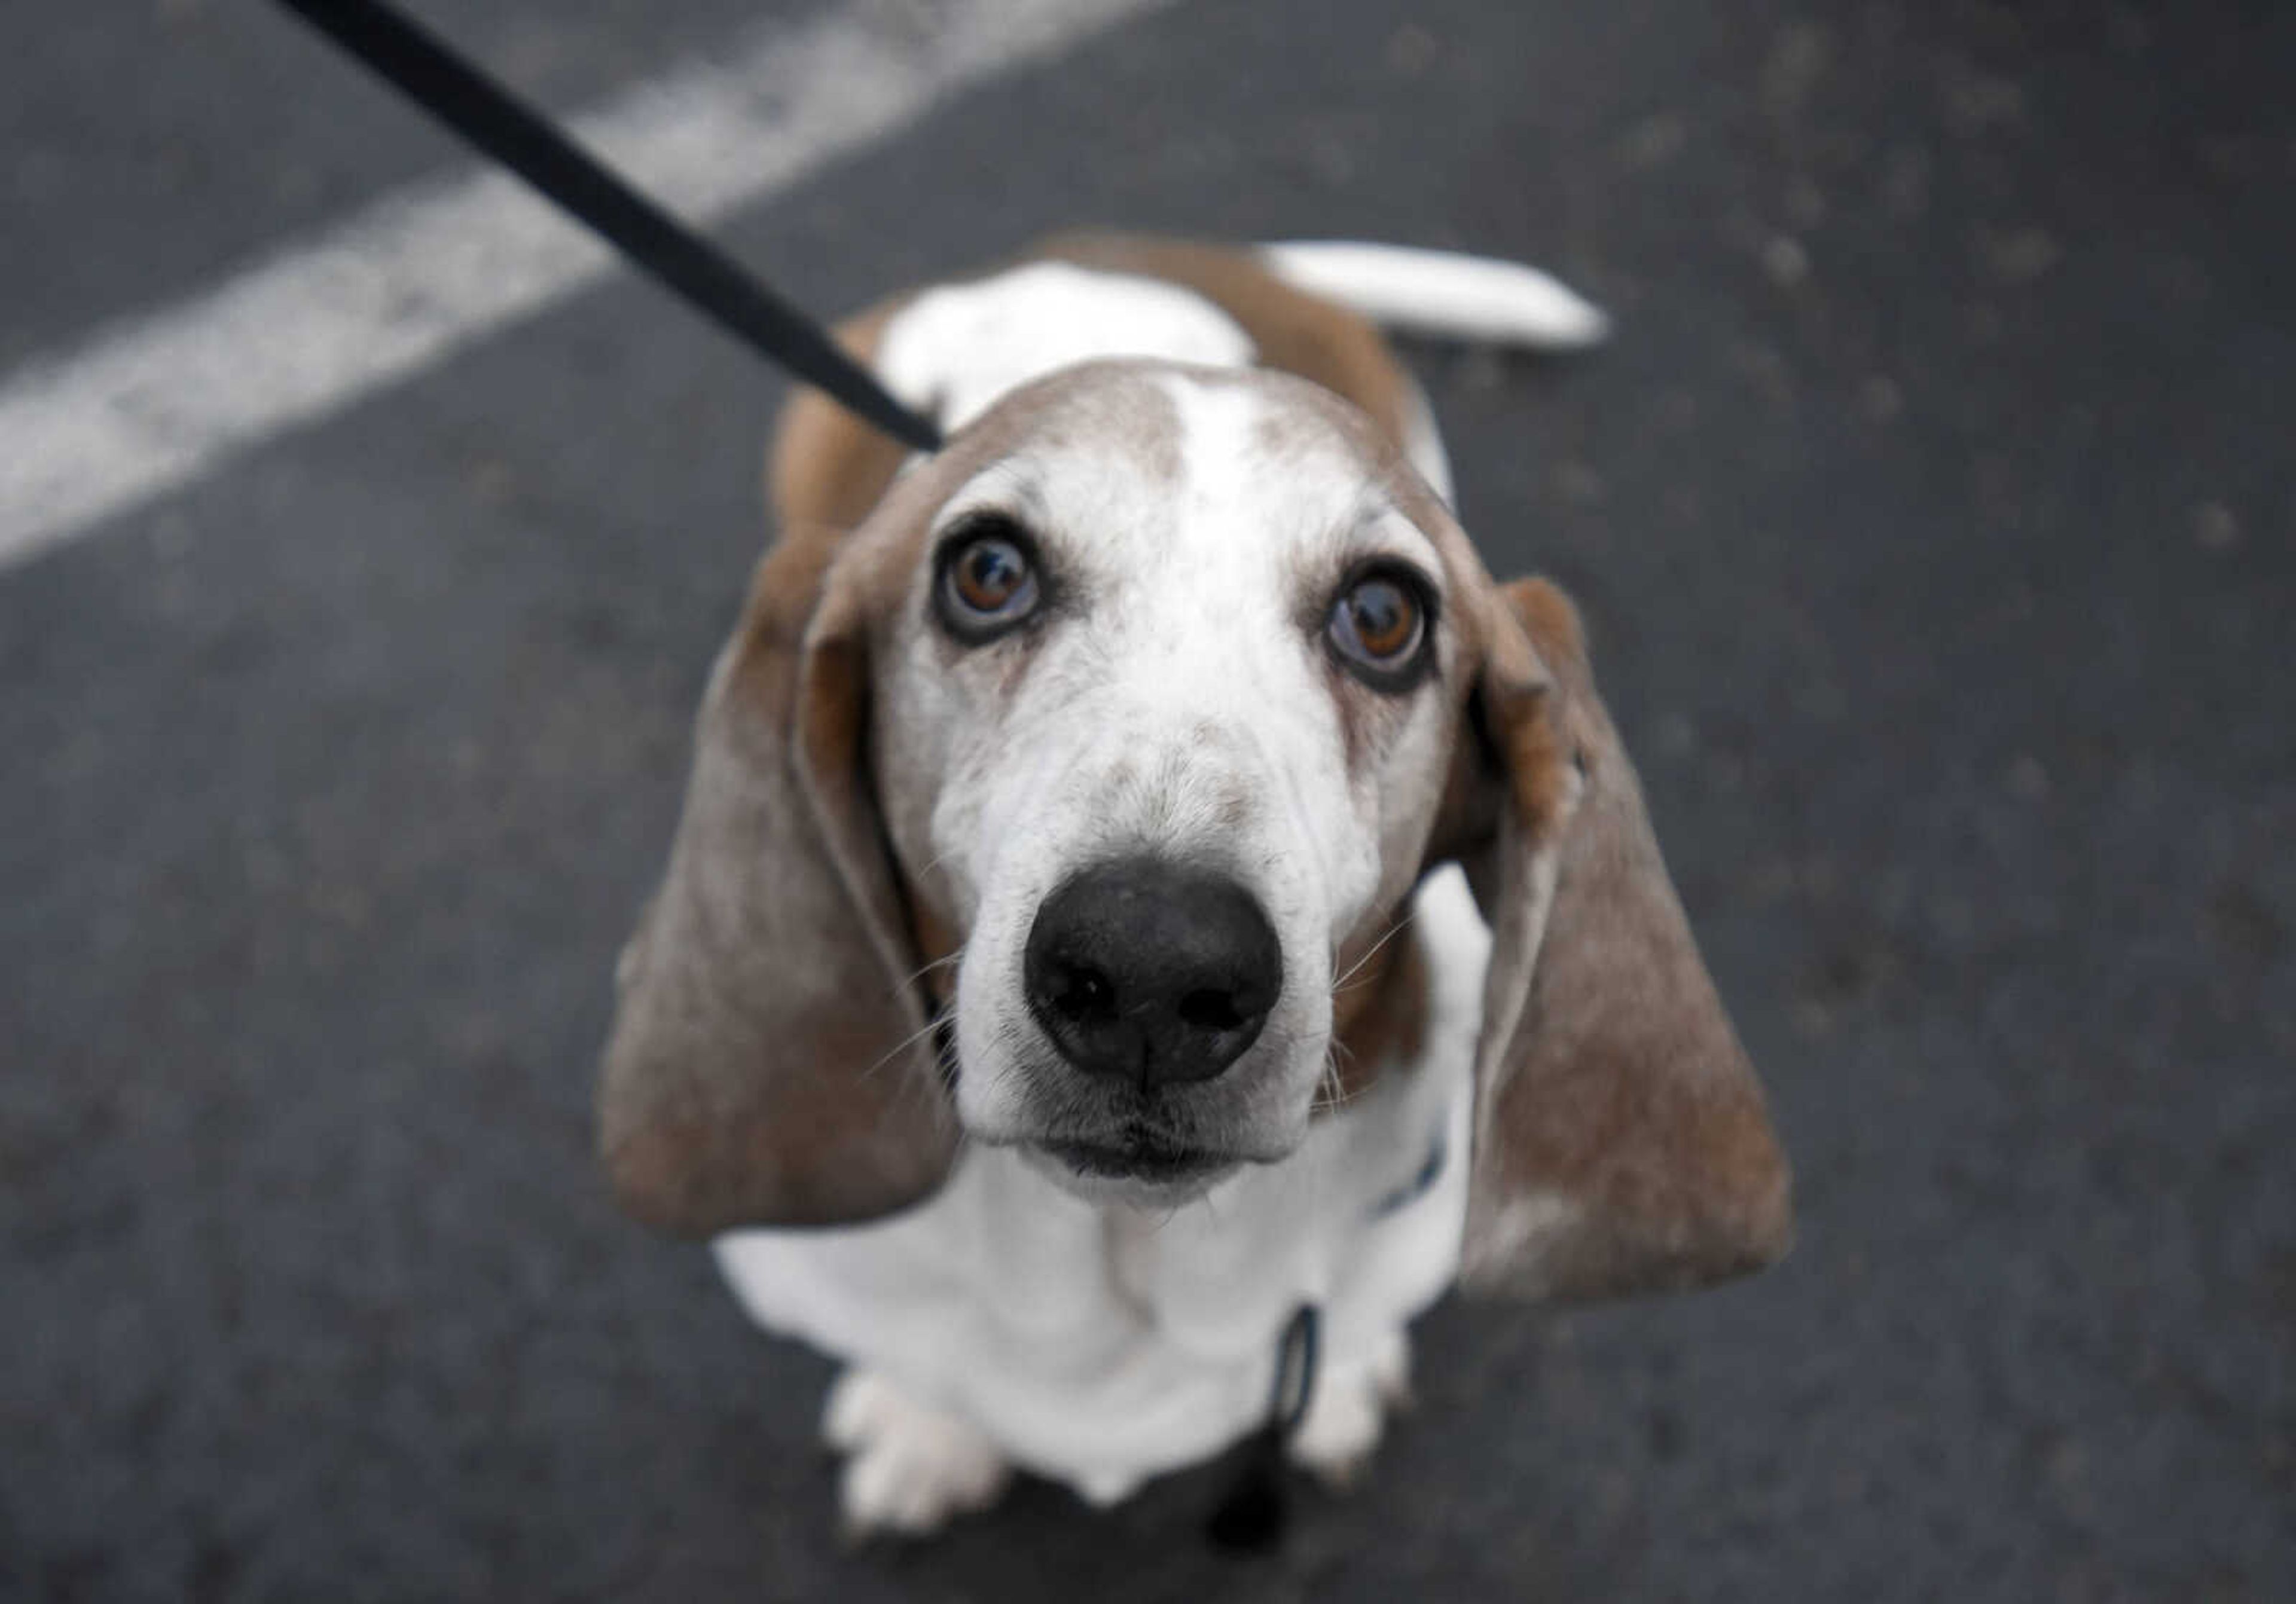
column 987, row 583
column 1378, row 628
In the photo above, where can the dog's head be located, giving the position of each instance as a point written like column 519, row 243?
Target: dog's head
column 1052, row 805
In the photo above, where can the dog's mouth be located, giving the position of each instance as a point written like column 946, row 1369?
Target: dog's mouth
column 1137, row 1154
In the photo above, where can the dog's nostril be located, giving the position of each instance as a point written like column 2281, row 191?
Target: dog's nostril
column 1082, row 994
column 1210, row 1010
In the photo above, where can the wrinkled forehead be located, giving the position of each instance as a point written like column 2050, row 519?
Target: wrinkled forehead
column 1142, row 466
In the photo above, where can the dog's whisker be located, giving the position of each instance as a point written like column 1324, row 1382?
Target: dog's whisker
column 905, row 1044
column 1335, row 1073
column 1329, row 1090
column 953, row 958
column 1392, row 931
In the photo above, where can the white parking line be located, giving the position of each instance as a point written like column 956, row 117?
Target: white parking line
column 149, row 405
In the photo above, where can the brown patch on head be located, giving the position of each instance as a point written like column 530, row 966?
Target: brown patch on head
column 1111, row 406
column 1294, row 331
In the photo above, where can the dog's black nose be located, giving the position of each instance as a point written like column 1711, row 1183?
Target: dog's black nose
column 1154, row 972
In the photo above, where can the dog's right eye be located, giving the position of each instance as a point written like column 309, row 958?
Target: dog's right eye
column 988, row 580
column 1379, row 627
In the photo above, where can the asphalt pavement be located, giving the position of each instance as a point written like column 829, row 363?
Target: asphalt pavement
column 1932, row 515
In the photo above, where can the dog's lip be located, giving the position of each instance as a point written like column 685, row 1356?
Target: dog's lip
column 1136, row 1155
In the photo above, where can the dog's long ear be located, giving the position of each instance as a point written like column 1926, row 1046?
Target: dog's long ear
column 770, row 1062
column 1621, row 1144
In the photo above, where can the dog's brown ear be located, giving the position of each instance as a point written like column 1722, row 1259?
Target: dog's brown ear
column 1621, row 1144
column 770, row 1061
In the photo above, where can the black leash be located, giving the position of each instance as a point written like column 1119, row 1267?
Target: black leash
column 483, row 112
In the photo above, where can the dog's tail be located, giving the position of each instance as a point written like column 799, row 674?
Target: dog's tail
column 1442, row 293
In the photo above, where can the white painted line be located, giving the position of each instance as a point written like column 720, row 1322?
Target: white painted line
column 149, row 405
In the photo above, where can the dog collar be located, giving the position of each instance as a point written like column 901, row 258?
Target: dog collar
column 1438, row 1154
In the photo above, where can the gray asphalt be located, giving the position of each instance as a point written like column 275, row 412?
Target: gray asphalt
column 1932, row 514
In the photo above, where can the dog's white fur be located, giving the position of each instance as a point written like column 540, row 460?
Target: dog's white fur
column 1099, row 1334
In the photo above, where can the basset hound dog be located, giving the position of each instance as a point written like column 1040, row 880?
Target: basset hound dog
column 1141, row 877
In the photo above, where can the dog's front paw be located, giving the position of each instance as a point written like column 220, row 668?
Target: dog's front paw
column 1335, row 1439
column 909, row 1466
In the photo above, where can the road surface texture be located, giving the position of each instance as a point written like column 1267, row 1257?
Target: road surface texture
column 1932, row 514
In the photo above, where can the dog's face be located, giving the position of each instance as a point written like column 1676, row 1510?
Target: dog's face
column 1155, row 713
column 1142, row 706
